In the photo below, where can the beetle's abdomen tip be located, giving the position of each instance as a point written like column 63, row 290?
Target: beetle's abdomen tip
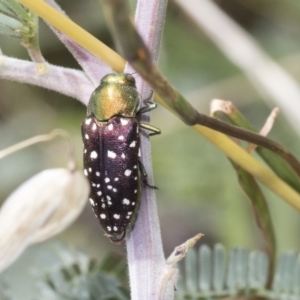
column 117, row 238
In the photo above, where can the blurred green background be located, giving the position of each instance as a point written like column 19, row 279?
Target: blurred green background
column 198, row 188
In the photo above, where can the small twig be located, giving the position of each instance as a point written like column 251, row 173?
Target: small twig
column 266, row 127
column 251, row 137
column 269, row 122
column 44, row 138
column 170, row 273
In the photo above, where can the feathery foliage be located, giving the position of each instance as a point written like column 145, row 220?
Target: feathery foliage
column 211, row 274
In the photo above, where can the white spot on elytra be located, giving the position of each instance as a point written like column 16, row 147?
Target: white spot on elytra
column 103, row 205
column 111, row 154
column 109, row 187
column 116, row 179
column 127, row 172
column 110, row 127
column 135, row 191
column 108, row 228
column 129, row 213
column 84, row 151
column 126, row 201
column 103, row 216
column 90, row 170
column 124, row 122
column 139, row 154
column 133, row 144
column 116, row 216
column 108, row 198
column 135, row 178
column 133, row 203
column 102, row 200
column 94, row 154
column 98, row 174
column 121, row 138
column 123, row 155
column 93, row 184
column 98, row 185
column 115, row 228
column 94, row 127
column 107, row 180
column 135, row 166
column 127, row 217
column 88, row 121
column 109, row 203
column 92, row 201
column 115, row 190
column 85, row 172
column 99, row 193
column 86, row 136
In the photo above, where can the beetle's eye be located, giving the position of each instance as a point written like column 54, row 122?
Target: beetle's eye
column 130, row 79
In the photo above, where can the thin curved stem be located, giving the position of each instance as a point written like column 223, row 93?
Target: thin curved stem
column 251, row 137
column 43, row 138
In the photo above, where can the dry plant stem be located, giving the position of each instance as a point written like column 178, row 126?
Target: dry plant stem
column 269, row 122
column 35, row 140
column 266, row 128
column 45, row 138
column 170, row 274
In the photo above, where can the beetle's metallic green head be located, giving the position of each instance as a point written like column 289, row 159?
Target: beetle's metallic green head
column 115, row 96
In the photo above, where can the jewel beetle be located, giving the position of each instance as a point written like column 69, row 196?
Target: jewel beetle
column 110, row 134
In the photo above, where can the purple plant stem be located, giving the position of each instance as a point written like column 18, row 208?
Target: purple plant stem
column 93, row 67
column 70, row 82
column 146, row 259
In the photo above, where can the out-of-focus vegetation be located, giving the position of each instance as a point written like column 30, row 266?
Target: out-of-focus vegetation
column 198, row 188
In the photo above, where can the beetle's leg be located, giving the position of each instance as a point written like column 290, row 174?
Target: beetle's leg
column 154, row 130
column 145, row 176
column 150, row 106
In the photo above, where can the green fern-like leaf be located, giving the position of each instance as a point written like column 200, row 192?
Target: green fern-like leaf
column 82, row 278
column 212, row 275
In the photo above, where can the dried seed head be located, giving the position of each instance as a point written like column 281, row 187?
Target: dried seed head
column 41, row 207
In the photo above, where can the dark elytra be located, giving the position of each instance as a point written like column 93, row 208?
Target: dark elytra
column 111, row 162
